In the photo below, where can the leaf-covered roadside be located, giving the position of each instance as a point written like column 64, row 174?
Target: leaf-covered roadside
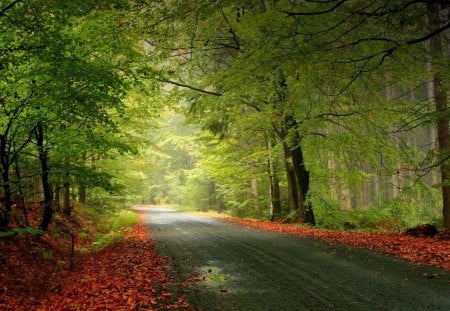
column 425, row 251
column 127, row 276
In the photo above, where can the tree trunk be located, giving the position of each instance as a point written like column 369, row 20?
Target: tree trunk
column 433, row 136
column 254, row 188
column 331, row 164
column 298, row 185
column 57, row 197
column 5, row 214
column 441, row 100
column 298, row 175
column 377, row 187
column 302, row 178
column 82, row 186
column 346, row 197
column 20, row 190
column 212, row 197
column 276, row 193
column 47, row 211
column 274, row 182
column 66, row 197
column 82, row 194
column 292, row 185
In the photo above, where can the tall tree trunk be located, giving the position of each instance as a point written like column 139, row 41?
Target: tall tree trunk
column 66, row 197
column 298, row 175
column 20, row 190
column 395, row 177
column 255, row 194
column 377, row 187
column 5, row 214
column 331, row 164
column 82, row 186
column 346, row 197
column 294, row 159
column 441, row 104
column 57, row 197
column 291, row 182
column 212, row 197
column 47, row 211
column 302, row 178
column 433, row 135
column 298, row 184
column 82, row 194
column 276, row 193
column 274, row 181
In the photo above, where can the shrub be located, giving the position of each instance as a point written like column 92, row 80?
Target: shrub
column 105, row 240
column 123, row 220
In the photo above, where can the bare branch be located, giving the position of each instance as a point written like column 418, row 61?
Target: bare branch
column 9, row 6
column 338, row 4
column 191, row 87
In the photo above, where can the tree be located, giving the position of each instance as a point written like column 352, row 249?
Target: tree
column 64, row 82
column 300, row 72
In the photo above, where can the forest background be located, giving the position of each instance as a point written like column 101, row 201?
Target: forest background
column 330, row 113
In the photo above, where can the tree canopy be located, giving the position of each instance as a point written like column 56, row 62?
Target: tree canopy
column 320, row 112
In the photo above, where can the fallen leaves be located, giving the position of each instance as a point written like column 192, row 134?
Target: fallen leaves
column 420, row 250
column 128, row 276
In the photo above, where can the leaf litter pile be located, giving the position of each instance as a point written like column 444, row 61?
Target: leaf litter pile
column 420, row 250
column 128, row 276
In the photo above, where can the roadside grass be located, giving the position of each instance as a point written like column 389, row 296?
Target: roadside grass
column 193, row 211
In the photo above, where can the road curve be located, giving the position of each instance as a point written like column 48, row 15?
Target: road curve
column 248, row 269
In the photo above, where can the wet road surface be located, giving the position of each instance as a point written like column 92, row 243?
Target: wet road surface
column 248, row 269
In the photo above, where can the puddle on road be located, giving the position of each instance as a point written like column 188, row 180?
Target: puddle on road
column 213, row 277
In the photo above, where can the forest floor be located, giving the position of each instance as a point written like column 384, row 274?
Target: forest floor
column 127, row 276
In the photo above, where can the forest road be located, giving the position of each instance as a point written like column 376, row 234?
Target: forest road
column 250, row 269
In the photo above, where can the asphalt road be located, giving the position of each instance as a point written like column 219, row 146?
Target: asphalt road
column 248, row 269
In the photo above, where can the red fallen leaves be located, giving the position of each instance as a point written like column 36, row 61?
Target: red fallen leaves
column 425, row 251
column 128, row 276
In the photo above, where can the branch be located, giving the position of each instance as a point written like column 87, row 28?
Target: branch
column 429, row 35
column 377, row 12
column 317, row 12
column 190, row 87
column 365, row 40
column 3, row 11
column 337, row 114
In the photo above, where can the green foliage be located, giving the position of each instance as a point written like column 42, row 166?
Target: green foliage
column 107, row 240
column 112, row 227
column 21, row 232
column 123, row 220
column 47, row 254
column 388, row 216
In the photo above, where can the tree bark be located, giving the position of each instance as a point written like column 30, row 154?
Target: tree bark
column 305, row 211
column 441, row 106
column 20, row 190
column 7, row 202
column 274, row 181
column 298, row 176
column 291, row 182
column 47, row 211
column 66, row 197
column 254, row 188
